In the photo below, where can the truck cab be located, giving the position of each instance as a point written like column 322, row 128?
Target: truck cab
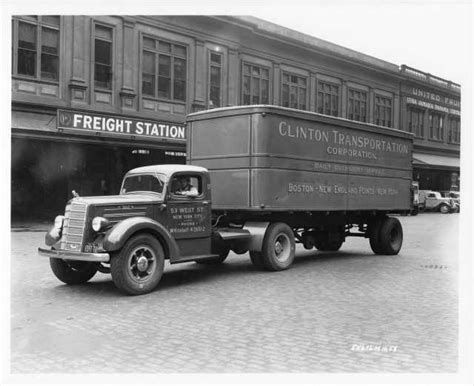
column 162, row 212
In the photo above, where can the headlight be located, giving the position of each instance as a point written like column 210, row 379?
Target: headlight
column 99, row 223
column 58, row 222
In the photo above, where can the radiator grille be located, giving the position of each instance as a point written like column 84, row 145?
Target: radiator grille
column 74, row 224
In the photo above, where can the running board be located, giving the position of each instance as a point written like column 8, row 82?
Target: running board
column 184, row 259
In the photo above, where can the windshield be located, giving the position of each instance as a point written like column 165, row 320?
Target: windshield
column 143, row 183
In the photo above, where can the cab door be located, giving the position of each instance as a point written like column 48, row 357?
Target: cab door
column 189, row 217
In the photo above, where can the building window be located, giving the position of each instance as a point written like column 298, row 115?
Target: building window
column 357, row 105
column 328, row 99
column 436, row 126
column 454, row 134
column 293, row 91
column 416, row 118
column 215, row 79
column 255, row 85
column 164, row 70
column 383, row 111
column 103, row 57
column 38, row 47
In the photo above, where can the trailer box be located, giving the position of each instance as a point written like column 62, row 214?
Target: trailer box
column 278, row 159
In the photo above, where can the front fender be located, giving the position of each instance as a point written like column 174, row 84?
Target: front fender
column 117, row 236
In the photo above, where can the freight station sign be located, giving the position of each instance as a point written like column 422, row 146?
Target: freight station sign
column 113, row 125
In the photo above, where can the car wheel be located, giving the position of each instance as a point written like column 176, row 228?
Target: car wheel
column 443, row 208
column 137, row 268
column 73, row 272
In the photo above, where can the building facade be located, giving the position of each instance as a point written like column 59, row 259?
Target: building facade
column 95, row 96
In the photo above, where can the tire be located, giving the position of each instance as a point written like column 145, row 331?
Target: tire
column 137, row 268
column 73, row 272
column 391, row 236
column 278, row 250
column 445, row 209
column 256, row 259
column 374, row 236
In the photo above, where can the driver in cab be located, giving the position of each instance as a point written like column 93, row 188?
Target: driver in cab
column 184, row 187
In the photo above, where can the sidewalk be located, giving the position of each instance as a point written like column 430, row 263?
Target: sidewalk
column 31, row 226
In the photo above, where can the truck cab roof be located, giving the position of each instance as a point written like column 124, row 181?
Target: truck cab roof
column 167, row 169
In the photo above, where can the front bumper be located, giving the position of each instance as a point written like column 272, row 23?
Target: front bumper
column 76, row 256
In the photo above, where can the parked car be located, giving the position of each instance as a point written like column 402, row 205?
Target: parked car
column 455, row 196
column 434, row 201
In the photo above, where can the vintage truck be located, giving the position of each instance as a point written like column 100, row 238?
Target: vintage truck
column 264, row 178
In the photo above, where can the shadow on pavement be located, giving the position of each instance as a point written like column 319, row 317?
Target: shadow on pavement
column 192, row 273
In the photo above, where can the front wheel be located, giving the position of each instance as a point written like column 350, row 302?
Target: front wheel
column 278, row 250
column 72, row 272
column 137, row 268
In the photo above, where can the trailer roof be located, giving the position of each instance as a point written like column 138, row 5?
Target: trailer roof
column 293, row 113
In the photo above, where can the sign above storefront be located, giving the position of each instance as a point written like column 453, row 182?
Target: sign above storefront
column 114, row 125
column 431, row 100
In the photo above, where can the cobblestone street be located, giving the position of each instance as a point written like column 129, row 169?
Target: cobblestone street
column 346, row 311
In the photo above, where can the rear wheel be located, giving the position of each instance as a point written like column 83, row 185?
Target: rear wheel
column 278, row 250
column 374, row 236
column 391, row 236
column 137, row 268
column 73, row 272
column 443, row 208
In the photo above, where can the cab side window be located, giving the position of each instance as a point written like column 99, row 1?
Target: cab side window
column 183, row 185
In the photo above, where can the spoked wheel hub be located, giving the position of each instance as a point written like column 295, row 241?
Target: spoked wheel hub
column 142, row 263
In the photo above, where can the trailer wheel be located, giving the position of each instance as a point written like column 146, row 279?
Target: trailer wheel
column 137, row 268
column 278, row 251
column 374, row 236
column 256, row 259
column 391, row 236
column 72, row 272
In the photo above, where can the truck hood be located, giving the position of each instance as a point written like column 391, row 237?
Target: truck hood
column 120, row 199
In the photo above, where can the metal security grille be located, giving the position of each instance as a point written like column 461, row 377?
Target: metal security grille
column 74, row 224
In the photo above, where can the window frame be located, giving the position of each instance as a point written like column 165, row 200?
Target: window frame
column 260, row 81
column 457, row 131
column 439, row 128
column 112, row 54
column 39, row 23
column 221, row 74
column 156, row 75
column 384, row 108
column 366, row 102
column 320, row 90
column 200, row 178
column 299, row 87
column 420, row 129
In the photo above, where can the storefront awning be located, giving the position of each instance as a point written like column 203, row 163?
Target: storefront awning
column 432, row 160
